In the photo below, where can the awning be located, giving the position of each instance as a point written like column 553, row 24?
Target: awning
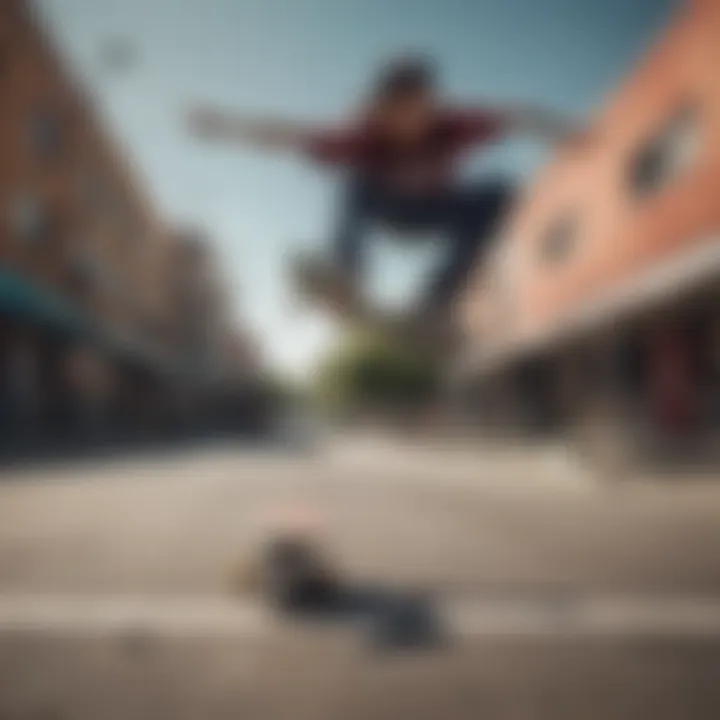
column 133, row 353
column 23, row 299
column 667, row 279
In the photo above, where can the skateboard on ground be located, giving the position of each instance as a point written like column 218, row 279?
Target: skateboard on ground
column 290, row 567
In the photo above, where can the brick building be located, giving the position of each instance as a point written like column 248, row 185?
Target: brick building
column 88, row 305
column 611, row 236
column 75, row 217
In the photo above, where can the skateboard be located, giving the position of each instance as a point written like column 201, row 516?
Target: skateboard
column 315, row 282
column 291, row 567
column 296, row 574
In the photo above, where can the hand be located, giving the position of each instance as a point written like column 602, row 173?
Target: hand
column 205, row 123
column 208, row 124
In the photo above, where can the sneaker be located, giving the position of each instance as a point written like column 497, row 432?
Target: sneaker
column 324, row 282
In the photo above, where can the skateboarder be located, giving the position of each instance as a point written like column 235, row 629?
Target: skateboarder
column 400, row 155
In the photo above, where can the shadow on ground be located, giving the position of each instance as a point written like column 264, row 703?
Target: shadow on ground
column 388, row 619
column 58, row 454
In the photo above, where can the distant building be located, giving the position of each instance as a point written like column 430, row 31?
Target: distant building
column 200, row 313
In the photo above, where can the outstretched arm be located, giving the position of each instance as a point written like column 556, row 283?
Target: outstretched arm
column 338, row 146
column 213, row 124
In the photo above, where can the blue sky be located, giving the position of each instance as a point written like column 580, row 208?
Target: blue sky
column 309, row 59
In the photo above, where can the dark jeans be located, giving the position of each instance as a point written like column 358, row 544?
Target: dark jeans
column 466, row 218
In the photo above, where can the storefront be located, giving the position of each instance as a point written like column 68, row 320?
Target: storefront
column 37, row 330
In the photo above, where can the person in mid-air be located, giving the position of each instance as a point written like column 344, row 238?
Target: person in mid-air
column 401, row 154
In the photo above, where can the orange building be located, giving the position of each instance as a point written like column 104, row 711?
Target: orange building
column 618, row 231
column 606, row 227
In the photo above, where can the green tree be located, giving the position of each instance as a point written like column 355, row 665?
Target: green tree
column 366, row 370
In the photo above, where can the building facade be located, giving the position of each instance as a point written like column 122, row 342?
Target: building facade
column 88, row 300
column 600, row 219
column 611, row 265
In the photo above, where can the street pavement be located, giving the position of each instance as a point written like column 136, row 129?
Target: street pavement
column 122, row 590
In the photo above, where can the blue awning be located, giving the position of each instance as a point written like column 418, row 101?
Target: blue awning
column 23, row 299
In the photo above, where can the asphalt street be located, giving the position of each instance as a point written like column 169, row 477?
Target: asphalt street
column 123, row 590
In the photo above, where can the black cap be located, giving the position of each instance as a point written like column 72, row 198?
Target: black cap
column 404, row 75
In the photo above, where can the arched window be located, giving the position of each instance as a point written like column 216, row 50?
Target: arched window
column 29, row 221
column 46, row 133
column 666, row 155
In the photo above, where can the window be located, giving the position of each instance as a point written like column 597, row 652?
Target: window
column 126, row 221
column 81, row 270
column 666, row 155
column 46, row 135
column 506, row 269
column 86, row 188
column 28, row 219
column 559, row 240
column 94, row 191
column 89, row 268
